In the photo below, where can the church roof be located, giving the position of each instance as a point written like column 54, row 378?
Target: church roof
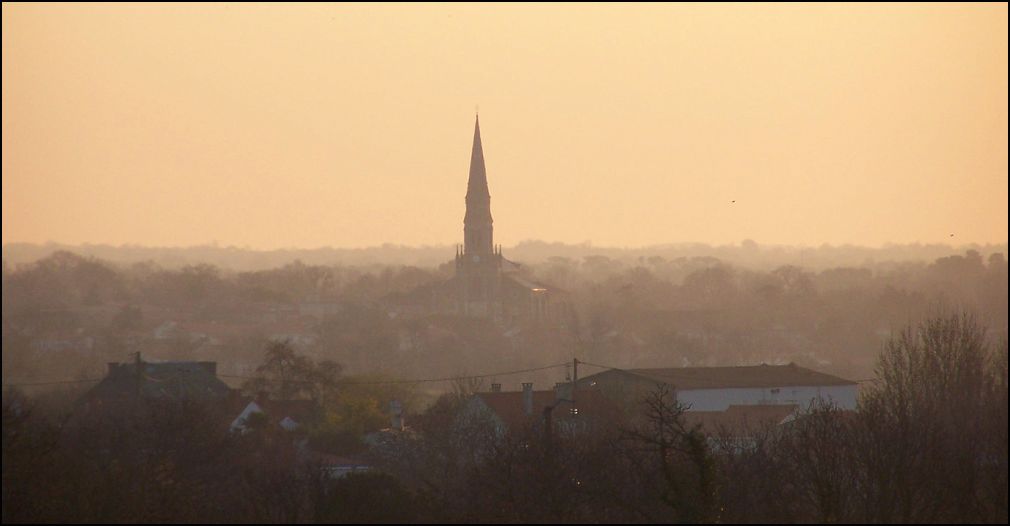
column 525, row 283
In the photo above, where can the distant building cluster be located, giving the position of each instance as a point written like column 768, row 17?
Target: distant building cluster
column 721, row 401
column 486, row 284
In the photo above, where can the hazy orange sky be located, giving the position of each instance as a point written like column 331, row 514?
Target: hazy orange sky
column 350, row 125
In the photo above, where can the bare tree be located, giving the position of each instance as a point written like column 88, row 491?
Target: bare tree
column 678, row 455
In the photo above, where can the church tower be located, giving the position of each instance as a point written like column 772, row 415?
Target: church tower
column 478, row 265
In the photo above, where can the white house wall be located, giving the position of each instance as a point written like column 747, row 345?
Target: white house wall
column 239, row 424
column 843, row 396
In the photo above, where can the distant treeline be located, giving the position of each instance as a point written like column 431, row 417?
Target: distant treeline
column 747, row 254
column 66, row 315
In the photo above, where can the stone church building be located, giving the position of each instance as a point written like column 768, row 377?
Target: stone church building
column 486, row 284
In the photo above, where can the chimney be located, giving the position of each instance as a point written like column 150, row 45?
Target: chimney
column 495, row 388
column 396, row 415
column 528, row 398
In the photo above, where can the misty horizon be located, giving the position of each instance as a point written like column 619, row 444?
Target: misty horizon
column 528, row 241
column 747, row 254
column 534, row 263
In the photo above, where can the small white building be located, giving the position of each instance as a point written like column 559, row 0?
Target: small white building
column 290, row 415
column 718, row 388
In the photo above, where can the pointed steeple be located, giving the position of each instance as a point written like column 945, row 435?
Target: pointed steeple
column 476, row 186
column 478, row 233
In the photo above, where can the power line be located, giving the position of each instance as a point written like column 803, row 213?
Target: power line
column 388, row 382
column 54, row 382
column 629, row 371
column 369, row 382
column 416, row 381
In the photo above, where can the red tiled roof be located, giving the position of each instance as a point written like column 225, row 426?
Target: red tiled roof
column 508, row 406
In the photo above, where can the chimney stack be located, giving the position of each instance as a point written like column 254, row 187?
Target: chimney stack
column 560, row 390
column 396, row 413
column 528, row 398
column 495, row 388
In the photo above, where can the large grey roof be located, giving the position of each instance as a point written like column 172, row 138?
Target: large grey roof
column 747, row 376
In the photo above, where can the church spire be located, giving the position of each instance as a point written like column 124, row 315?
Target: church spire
column 477, row 230
column 476, row 186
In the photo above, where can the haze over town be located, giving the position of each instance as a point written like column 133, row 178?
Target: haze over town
column 684, row 263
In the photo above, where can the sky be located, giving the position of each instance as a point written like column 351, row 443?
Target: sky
column 350, row 125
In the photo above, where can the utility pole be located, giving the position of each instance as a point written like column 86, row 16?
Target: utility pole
column 575, row 377
column 549, row 429
column 549, row 423
column 138, row 365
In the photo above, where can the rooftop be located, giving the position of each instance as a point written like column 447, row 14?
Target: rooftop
column 165, row 380
column 748, row 376
column 508, row 406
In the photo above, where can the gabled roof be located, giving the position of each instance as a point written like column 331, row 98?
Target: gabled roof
column 750, row 376
column 289, row 414
column 162, row 381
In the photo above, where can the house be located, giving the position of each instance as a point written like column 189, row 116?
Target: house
column 719, row 388
column 145, row 386
column 289, row 415
column 158, row 381
column 529, row 409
